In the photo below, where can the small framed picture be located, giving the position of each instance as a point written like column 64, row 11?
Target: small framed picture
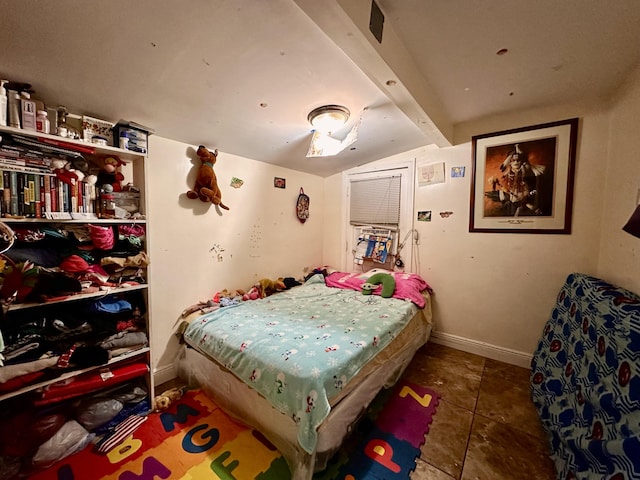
column 279, row 182
column 457, row 172
column 424, row 216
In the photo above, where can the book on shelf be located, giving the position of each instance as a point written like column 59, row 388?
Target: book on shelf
column 33, row 194
column 3, row 203
column 37, row 198
column 15, row 198
column 31, row 191
column 55, row 207
column 21, row 194
column 25, row 168
column 63, row 195
column 46, row 189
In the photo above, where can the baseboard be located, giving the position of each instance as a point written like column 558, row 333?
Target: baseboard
column 164, row 374
column 502, row 354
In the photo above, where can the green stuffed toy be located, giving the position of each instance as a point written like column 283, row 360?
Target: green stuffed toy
column 387, row 281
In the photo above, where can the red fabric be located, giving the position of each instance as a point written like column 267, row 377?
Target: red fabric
column 74, row 264
column 89, row 382
column 102, row 237
column 135, row 230
column 19, row 382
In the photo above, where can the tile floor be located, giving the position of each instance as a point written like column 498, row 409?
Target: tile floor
column 485, row 426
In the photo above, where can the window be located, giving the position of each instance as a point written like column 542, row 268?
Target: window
column 375, row 201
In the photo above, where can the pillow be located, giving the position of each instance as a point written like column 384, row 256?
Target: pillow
column 409, row 286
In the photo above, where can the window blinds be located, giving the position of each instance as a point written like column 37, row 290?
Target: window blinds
column 375, row 201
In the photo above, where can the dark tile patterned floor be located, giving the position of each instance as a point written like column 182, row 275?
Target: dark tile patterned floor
column 485, row 427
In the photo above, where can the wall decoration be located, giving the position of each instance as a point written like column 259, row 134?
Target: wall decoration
column 523, row 179
column 430, row 174
column 445, row 214
column 279, row 182
column 236, row 182
column 302, row 206
column 457, row 172
column 424, row 216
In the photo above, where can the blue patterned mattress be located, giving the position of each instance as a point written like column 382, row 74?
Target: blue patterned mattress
column 299, row 348
column 585, row 380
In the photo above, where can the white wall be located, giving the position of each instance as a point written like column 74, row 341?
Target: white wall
column 195, row 251
column 619, row 256
column 494, row 292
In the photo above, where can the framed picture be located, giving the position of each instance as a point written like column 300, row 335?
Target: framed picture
column 279, row 182
column 522, row 179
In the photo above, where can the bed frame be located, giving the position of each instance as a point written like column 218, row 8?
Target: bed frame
column 249, row 407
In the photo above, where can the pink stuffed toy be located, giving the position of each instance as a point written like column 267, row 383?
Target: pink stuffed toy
column 252, row 294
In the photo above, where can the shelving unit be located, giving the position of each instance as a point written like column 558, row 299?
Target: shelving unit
column 99, row 149
column 134, row 172
column 75, row 373
column 78, row 297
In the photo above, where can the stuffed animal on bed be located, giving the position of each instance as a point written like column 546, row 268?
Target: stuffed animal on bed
column 267, row 287
column 387, row 281
column 252, row 294
column 206, row 187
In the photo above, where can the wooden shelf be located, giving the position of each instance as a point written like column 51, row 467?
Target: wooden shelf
column 78, row 296
column 112, row 221
column 75, row 373
column 125, row 155
column 134, row 170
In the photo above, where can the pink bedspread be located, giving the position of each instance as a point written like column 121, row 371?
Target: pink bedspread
column 409, row 286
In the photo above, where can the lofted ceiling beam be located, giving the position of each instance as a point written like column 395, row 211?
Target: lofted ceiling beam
column 388, row 64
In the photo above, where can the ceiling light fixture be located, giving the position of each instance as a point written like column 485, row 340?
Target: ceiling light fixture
column 328, row 118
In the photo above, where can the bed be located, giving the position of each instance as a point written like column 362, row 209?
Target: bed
column 301, row 366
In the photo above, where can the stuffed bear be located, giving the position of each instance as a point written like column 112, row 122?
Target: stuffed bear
column 109, row 177
column 206, row 188
column 72, row 171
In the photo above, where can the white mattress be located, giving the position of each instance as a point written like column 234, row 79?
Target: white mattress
column 246, row 405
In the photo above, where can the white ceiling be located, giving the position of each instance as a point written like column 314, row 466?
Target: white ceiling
column 242, row 75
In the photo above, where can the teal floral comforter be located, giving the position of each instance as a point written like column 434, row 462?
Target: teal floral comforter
column 300, row 347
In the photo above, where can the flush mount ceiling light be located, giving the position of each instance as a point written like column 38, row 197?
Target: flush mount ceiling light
column 328, row 118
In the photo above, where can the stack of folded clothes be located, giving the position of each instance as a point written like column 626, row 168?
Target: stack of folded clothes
column 69, row 336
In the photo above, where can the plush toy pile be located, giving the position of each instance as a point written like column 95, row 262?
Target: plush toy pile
column 224, row 298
